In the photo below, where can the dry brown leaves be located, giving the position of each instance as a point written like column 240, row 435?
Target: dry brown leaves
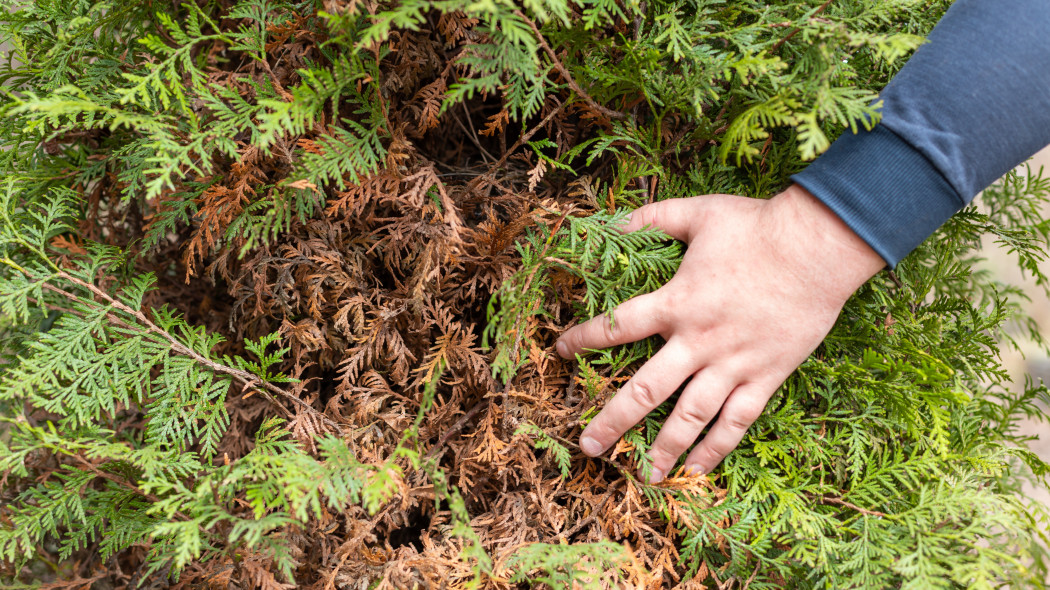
column 383, row 289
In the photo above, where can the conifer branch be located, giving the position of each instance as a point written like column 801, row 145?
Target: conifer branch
column 593, row 104
column 590, row 518
column 796, row 30
column 122, row 482
column 440, row 444
column 473, row 185
column 828, row 499
column 176, row 137
column 246, row 378
column 751, row 578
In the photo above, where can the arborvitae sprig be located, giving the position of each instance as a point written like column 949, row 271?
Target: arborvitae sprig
column 588, row 567
column 613, row 265
column 104, row 361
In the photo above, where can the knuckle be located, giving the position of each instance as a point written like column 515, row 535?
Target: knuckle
column 646, row 214
column 670, row 300
column 609, row 326
column 665, row 307
column 662, row 457
column 695, row 416
column 742, row 418
column 676, row 304
column 604, row 432
column 644, row 393
column 709, row 456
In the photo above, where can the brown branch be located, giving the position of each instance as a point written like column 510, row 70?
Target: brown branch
column 546, row 247
column 79, row 581
column 913, row 306
column 350, row 544
column 59, row 308
column 751, row 578
column 454, row 429
column 795, row 31
column 122, row 482
column 590, row 517
column 471, row 134
column 718, row 117
column 605, row 111
column 840, row 502
column 517, row 144
column 722, row 111
column 570, row 391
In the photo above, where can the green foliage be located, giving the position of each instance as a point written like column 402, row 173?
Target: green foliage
column 588, row 566
column 890, row 459
column 613, row 265
column 103, row 361
column 561, row 455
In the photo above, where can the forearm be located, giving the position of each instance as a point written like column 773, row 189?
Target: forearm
column 969, row 106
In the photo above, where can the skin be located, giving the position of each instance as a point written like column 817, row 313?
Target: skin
column 761, row 284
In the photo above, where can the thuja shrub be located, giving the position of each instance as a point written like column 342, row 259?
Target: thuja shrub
column 280, row 283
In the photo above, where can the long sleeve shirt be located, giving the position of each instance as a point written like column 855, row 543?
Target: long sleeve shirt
column 969, row 105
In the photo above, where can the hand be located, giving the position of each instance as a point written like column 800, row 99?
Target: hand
column 760, row 285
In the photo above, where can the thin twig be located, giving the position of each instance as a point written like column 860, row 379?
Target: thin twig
column 124, row 483
column 718, row 117
column 246, row 378
column 896, row 280
column 454, row 429
column 330, row 584
column 570, row 390
column 840, row 502
column 913, row 306
column 751, row 578
column 590, row 517
column 517, row 144
column 546, row 247
column 58, row 308
column 607, row 112
column 795, row 31
column 473, row 135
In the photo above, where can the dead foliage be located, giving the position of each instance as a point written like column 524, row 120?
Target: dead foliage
column 385, row 287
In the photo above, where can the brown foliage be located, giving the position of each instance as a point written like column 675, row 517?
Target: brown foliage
column 383, row 289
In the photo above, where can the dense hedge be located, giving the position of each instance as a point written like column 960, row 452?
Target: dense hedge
column 281, row 280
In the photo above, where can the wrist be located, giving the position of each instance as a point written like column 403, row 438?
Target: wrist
column 822, row 249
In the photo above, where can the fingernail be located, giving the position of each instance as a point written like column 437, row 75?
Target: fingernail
column 563, row 349
column 694, row 470
column 655, row 476
column 590, row 446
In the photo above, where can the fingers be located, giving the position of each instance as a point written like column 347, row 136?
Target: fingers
column 650, row 386
column 740, row 410
column 675, row 217
column 699, row 404
column 633, row 320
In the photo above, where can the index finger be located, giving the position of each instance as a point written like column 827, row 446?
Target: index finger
column 632, row 320
column 674, row 217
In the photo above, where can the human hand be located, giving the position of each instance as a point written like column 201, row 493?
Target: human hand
column 760, row 285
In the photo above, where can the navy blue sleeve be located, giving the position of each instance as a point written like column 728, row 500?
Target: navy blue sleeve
column 970, row 105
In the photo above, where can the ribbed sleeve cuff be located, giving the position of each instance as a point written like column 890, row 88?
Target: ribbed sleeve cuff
column 883, row 189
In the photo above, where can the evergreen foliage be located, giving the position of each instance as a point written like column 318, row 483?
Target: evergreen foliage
column 280, row 282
